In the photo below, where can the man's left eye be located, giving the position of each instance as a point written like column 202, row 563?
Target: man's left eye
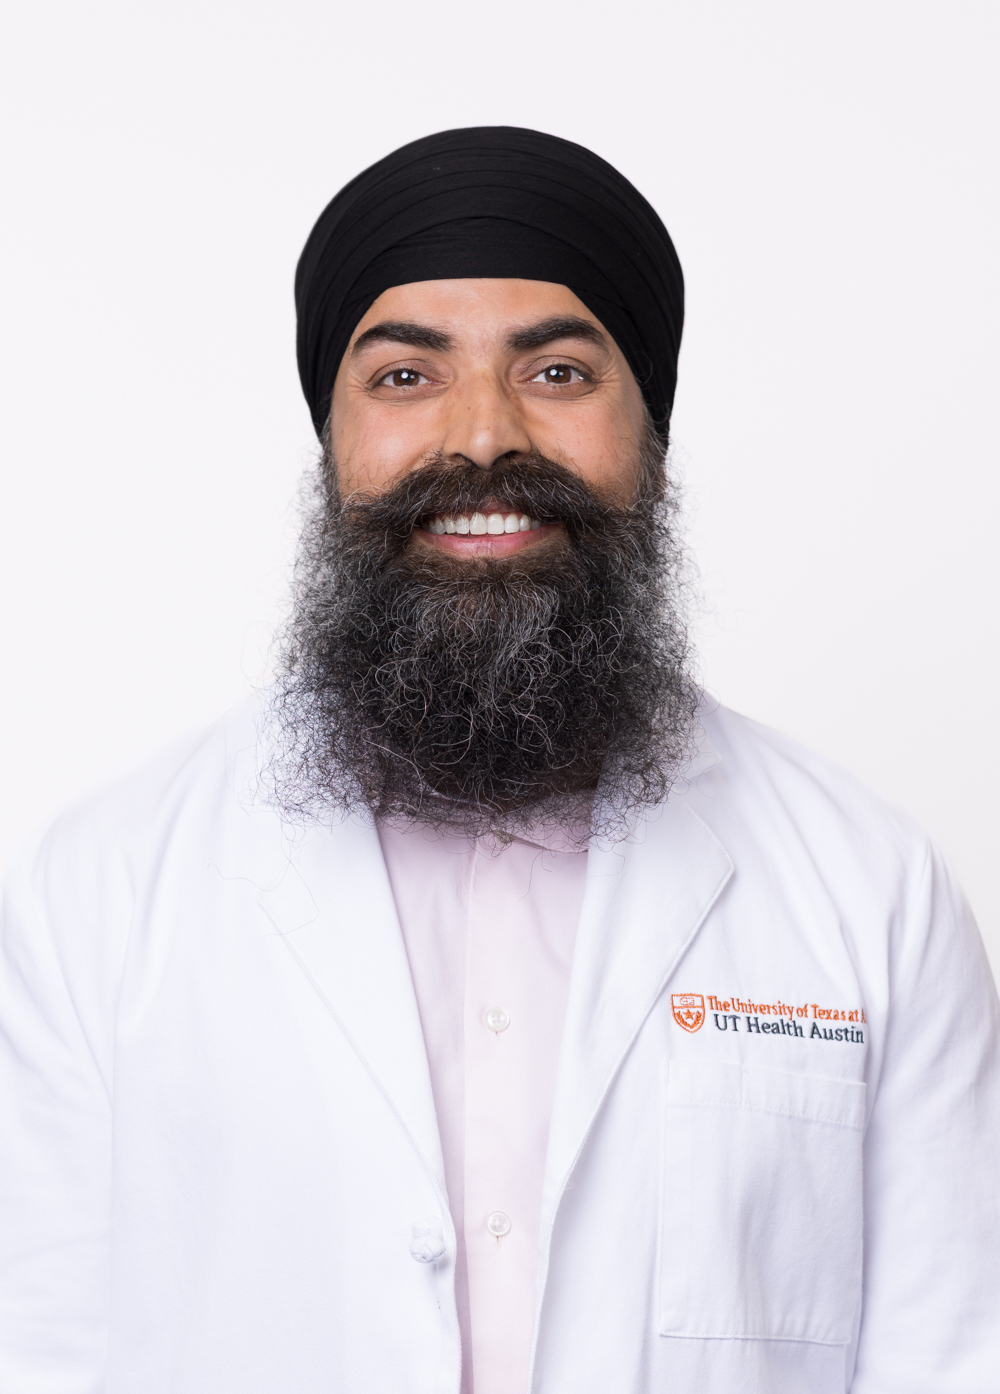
column 402, row 377
column 559, row 375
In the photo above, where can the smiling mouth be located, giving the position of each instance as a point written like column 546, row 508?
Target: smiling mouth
column 494, row 523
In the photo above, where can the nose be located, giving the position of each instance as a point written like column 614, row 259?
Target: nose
column 483, row 421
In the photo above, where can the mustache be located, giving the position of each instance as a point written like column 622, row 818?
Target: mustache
column 531, row 484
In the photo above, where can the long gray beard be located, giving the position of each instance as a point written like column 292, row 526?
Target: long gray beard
column 485, row 695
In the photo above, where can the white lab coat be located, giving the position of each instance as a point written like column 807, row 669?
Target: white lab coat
column 219, row 1142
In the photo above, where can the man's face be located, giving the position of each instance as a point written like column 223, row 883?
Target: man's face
column 487, row 626
column 476, row 371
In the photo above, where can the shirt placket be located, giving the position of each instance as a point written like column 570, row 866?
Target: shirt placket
column 500, row 1238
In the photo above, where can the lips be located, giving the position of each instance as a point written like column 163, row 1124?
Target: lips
column 492, row 524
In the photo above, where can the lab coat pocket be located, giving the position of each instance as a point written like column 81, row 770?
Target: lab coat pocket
column 761, row 1208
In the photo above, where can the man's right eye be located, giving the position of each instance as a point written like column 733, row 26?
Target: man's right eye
column 401, row 377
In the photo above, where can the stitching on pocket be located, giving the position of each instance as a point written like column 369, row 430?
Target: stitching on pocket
column 782, row 1093
column 777, row 1112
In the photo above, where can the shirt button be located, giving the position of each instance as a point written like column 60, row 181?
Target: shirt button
column 497, row 1019
column 498, row 1223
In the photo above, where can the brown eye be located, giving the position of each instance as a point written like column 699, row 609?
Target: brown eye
column 559, row 375
column 402, row 377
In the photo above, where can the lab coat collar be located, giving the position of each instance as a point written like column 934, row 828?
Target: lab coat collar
column 645, row 900
column 703, row 757
column 334, row 908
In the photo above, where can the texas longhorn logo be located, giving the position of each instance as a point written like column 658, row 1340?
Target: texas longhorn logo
column 689, row 1009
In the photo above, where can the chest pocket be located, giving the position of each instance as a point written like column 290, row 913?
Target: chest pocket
column 761, row 1204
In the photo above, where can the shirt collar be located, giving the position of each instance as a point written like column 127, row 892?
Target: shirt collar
column 551, row 836
column 554, row 837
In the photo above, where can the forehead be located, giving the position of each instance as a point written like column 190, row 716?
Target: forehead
column 475, row 310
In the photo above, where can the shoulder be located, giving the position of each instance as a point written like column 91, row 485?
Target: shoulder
column 760, row 787
column 806, row 837
column 205, row 777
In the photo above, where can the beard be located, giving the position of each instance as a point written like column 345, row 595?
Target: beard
column 483, row 695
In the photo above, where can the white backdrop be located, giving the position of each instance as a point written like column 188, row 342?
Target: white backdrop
column 829, row 174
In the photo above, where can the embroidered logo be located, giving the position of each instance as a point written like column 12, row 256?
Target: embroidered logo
column 749, row 1018
column 689, row 1010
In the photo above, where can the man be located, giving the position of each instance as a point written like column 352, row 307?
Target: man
column 481, row 1009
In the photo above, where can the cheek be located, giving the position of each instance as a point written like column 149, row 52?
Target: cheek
column 601, row 446
column 372, row 447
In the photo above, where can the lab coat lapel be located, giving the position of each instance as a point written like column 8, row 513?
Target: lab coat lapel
column 334, row 907
column 644, row 902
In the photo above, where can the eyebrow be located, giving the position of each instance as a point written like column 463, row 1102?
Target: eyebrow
column 547, row 331
column 558, row 327
column 400, row 331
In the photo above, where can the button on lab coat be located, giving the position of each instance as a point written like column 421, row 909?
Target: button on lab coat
column 773, row 1163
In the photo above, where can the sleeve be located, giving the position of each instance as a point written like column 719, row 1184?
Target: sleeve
column 931, row 1309
column 55, row 1164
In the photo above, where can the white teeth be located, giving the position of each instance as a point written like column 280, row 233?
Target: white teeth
column 478, row 524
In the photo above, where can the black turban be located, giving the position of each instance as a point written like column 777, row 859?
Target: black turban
column 492, row 201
